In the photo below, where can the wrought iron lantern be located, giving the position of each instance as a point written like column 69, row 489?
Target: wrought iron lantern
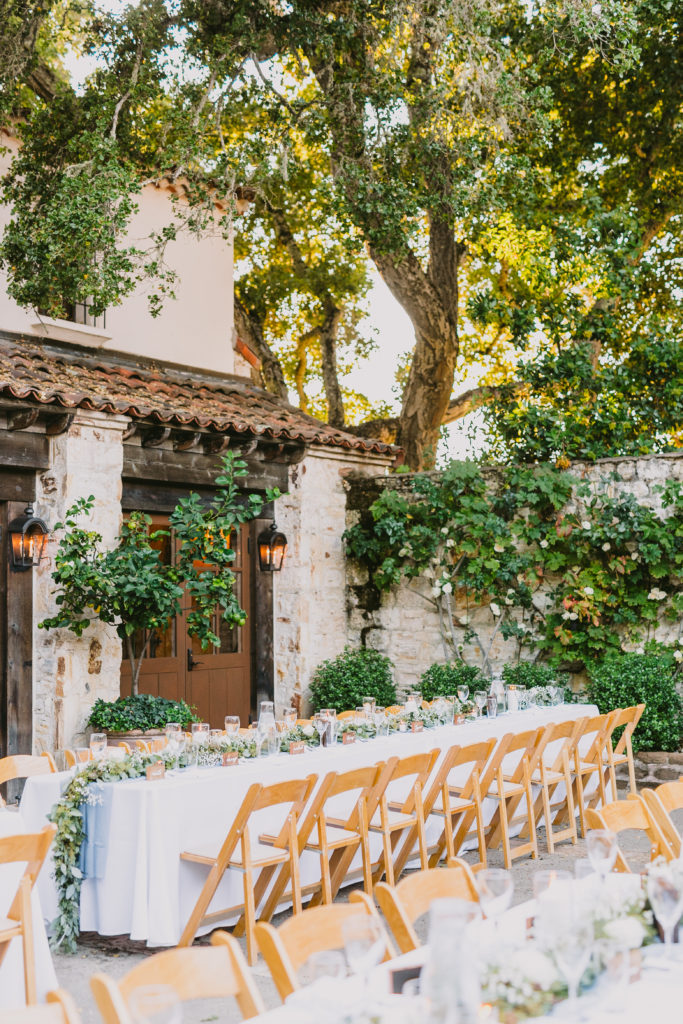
column 272, row 546
column 27, row 535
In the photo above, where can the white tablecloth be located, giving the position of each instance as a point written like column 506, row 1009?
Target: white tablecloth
column 147, row 892
column 12, row 969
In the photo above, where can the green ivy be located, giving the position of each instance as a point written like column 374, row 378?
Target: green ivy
column 567, row 570
column 342, row 682
column 627, row 679
column 444, row 680
column 139, row 711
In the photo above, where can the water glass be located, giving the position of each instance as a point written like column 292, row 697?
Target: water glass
column 495, row 887
column 665, row 892
column 232, row 724
column 480, row 697
column 289, row 718
column 83, row 755
column 98, row 745
column 361, row 716
column 267, row 713
column 155, row 1004
column 369, row 706
column 364, row 943
column 324, row 963
column 463, row 693
column 571, row 944
column 272, row 740
column 200, row 732
column 216, row 735
column 601, row 847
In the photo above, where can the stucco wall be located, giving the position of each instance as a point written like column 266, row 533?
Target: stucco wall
column 404, row 623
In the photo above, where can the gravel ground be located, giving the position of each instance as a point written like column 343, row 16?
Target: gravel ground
column 116, row 957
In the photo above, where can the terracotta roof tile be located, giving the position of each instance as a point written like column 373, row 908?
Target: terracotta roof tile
column 45, row 372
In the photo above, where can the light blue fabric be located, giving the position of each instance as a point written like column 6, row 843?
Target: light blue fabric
column 96, row 822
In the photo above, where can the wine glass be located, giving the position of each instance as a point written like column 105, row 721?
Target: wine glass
column 572, row 946
column 463, row 693
column 495, row 887
column 480, row 700
column 364, row 944
column 320, row 723
column 98, row 745
column 602, row 849
column 232, row 724
column 155, row 1004
column 665, row 892
column 289, row 718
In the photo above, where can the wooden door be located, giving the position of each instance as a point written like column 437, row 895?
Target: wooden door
column 218, row 681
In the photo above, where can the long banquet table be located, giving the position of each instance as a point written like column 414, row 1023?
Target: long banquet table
column 144, row 890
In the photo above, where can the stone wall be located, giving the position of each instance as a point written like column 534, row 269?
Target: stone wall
column 310, row 590
column 404, row 623
column 69, row 674
column 652, row 768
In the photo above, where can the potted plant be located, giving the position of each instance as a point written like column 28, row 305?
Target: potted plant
column 138, row 715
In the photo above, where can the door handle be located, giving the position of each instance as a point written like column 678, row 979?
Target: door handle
column 191, row 663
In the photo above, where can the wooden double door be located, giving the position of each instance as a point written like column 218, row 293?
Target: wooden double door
column 218, row 681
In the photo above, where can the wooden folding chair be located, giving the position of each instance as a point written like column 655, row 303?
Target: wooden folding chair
column 31, row 849
column 457, row 799
column 622, row 753
column 343, row 716
column 590, row 759
column 552, row 766
column 396, row 818
column 59, row 1009
column 660, row 803
column 509, row 787
column 74, row 758
column 200, row 973
column 240, row 853
column 287, row 948
column 629, row 815
column 412, row 897
column 23, row 766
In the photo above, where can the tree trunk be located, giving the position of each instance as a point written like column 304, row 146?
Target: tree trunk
column 328, row 347
column 250, row 329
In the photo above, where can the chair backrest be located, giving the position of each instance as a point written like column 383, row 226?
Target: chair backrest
column 628, row 717
column 344, row 715
column 660, row 802
column 23, row 766
column 557, row 743
column 522, row 743
column 404, row 903
column 419, row 766
column 287, row 948
column 79, row 756
column 476, row 755
column 193, row 973
column 629, row 815
column 363, row 779
column 294, row 792
column 30, row 848
column 59, row 1009
column 595, row 736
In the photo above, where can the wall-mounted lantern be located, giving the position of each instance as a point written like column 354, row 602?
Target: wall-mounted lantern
column 272, row 546
column 27, row 535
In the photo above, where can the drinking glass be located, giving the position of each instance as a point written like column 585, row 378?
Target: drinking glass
column 361, row 717
column 546, row 879
column 200, row 732
column 83, row 755
column 216, row 735
column 266, row 713
column 272, row 740
column 494, row 886
column 98, row 745
column 172, row 730
column 583, row 868
column 452, row 974
column 155, row 1004
column 665, row 892
column 380, row 716
column 369, row 706
column 572, row 948
column 364, row 944
column 232, row 724
column 320, row 723
column 480, row 700
column 463, row 693
column 324, row 963
column 601, row 847
column 289, row 718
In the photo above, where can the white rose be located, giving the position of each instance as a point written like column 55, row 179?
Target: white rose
column 588, row 591
column 494, row 608
column 606, row 546
column 307, row 730
column 436, row 590
column 543, row 544
column 585, row 525
column 573, row 616
column 678, row 655
column 447, row 588
column 444, row 530
column 450, row 543
column 565, row 615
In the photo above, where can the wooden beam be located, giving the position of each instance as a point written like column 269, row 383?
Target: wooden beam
column 213, row 444
column 21, row 448
column 193, row 469
column 22, row 418
column 154, row 436
column 16, row 485
column 184, row 440
column 59, row 424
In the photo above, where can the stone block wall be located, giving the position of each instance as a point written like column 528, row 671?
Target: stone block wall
column 652, row 767
column 404, row 623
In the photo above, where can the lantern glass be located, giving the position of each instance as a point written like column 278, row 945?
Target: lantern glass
column 272, row 546
column 27, row 536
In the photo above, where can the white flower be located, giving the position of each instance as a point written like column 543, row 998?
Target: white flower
column 565, row 615
column 628, row 932
column 494, row 608
column 403, row 552
column 464, row 619
column 680, row 641
column 606, row 546
column 588, row 591
column 447, row 588
column 499, row 548
column 444, row 530
column 543, row 544
column 535, row 967
column 597, row 9
column 678, row 655
column 573, row 616
column 656, row 594
column 635, row 556
column 586, row 524
column 450, row 543
column 308, row 730
column 436, row 590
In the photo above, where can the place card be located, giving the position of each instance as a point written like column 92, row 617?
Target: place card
column 297, row 747
column 458, row 719
column 417, row 726
column 230, row 758
column 348, row 737
column 155, row 771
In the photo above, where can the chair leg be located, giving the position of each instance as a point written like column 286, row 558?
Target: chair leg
column 28, row 947
column 201, row 906
column 365, row 848
column 549, row 838
column 249, row 914
column 503, row 821
column 530, row 811
column 421, row 837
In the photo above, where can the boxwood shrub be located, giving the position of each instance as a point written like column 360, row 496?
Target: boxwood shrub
column 342, row 682
column 442, row 680
column 142, row 711
column 533, row 673
column 627, row 679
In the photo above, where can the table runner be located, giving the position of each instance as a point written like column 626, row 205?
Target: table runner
column 147, row 892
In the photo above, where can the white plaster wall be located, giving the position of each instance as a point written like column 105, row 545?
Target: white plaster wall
column 406, row 626
column 70, row 673
column 194, row 329
column 310, row 590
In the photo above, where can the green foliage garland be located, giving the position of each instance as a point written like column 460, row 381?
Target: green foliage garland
column 342, row 682
column 565, row 569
